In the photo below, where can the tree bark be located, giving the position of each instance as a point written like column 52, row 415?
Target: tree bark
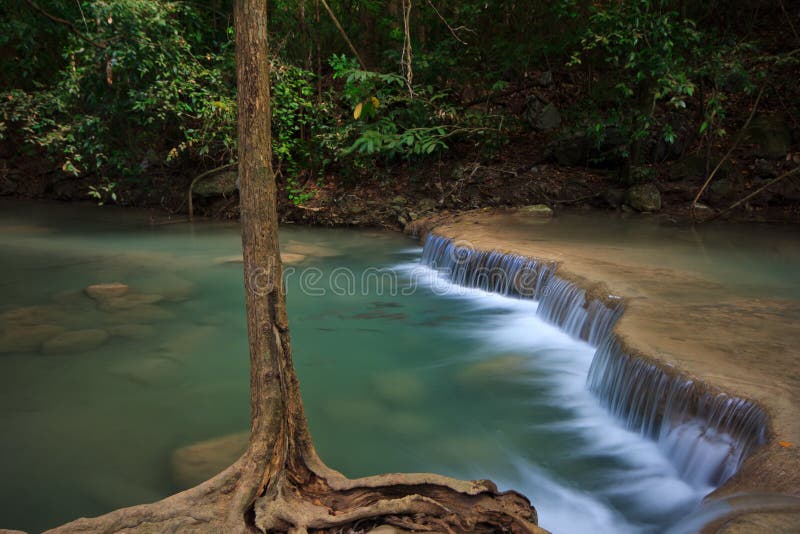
column 280, row 484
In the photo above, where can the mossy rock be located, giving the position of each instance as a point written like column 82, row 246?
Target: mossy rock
column 643, row 197
column 224, row 183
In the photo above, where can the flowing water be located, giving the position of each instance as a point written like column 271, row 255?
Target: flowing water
column 401, row 370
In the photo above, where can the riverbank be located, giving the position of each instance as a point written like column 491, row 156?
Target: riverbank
column 531, row 169
column 684, row 316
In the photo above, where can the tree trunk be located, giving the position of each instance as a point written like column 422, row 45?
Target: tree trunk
column 280, row 484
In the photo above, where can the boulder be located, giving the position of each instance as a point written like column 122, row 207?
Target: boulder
column 542, row 115
column 75, row 341
column 536, row 210
column 643, row 197
column 106, row 291
column 217, row 185
column 26, row 338
column 200, row 461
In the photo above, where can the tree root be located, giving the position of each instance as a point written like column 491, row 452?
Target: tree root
column 320, row 499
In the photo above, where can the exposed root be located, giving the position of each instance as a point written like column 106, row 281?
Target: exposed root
column 320, row 499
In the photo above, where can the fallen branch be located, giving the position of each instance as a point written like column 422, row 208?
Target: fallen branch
column 200, row 177
column 735, row 144
column 751, row 195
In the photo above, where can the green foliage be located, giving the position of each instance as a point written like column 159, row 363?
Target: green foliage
column 145, row 95
column 390, row 122
column 646, row 47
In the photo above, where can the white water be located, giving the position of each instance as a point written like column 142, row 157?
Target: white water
column 639, row 476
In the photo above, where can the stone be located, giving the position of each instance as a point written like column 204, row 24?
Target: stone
column 217, row 185
column 426, row 205
column 400, row 200
column 106, row 291
column 770, row 137
column 549, row 118
column 546, row 78
column 132, row 331
column 542, row 115
column 505, row 365
column 398, row 387
column 643, row 197
column 536, row 210
column 75, row 341
column 703, row 210
column 193, row 464
column 33, row 315
column 27, row 338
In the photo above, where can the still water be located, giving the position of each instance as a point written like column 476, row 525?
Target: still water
column 400, row 371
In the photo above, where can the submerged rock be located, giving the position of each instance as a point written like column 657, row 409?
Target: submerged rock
column 536, row 210
column 202, row 460
column 33, row 315
column 106, row 291
column 75, row 341
column 397, row 387
column 644, row 197
column 27, row 338
column 502, row 366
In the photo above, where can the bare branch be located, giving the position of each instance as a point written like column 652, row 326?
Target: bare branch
column 730, row 151
column 754, row 193
column 454, row 31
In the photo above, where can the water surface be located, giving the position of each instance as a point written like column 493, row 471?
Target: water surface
column 440, row 379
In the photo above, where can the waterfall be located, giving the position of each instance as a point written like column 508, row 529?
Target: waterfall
column 706, row 434
column 561, row 303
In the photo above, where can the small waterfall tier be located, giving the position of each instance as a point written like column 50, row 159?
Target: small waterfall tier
column 561, row 303
column 706, row 434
